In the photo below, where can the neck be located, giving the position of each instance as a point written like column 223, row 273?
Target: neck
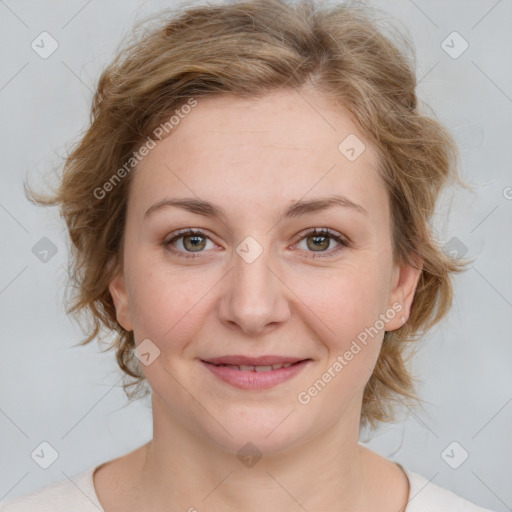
column 330, row 471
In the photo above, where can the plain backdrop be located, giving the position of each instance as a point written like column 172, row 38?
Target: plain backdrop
column 70, row 397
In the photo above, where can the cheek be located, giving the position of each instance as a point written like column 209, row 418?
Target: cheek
column 345, row 314
column 344, row 303
column 165, row 303
column 344, row 311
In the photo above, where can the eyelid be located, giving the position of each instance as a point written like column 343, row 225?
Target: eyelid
column 188, row 231
column 191, row 231
column 327, row 231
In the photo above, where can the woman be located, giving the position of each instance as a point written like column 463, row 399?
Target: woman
column 249, row 213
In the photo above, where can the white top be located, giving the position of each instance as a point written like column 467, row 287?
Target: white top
column 79, row 495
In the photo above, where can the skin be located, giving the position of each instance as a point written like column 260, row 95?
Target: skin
column 253, row 158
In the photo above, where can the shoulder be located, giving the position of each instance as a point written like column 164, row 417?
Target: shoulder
column 424, row 496
column 77, row 494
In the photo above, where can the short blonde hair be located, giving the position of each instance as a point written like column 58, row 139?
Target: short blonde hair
column 248, row 49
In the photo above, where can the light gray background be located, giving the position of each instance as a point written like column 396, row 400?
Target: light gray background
column 70, row 396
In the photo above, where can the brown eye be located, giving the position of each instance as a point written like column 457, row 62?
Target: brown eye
column 319, row 241
column 187, row 241
column 194, row 243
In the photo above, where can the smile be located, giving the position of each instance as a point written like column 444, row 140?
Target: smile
column 256, row 377
column 252, row 368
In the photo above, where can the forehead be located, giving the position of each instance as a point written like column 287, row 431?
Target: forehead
column 261, row 152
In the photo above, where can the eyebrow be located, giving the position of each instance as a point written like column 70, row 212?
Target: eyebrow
column 206, row 209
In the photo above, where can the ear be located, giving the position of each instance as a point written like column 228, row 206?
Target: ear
column 403, row 287
column 119, row 295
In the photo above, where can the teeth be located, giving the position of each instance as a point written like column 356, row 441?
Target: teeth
column 263, row 368
column 252, row 368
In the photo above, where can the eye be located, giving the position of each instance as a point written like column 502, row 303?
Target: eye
column 319, row 241
column 186, row 242
column 190, row 240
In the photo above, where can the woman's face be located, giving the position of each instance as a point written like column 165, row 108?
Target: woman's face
column 255, row 286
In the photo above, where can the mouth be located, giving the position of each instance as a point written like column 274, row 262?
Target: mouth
column 255, row 373
column 246, row 362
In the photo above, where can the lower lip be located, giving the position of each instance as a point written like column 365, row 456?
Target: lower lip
column 255, row 380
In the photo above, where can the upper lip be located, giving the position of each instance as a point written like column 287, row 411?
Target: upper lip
column 253, row 361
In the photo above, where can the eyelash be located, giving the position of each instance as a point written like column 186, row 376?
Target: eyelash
column 324, row 232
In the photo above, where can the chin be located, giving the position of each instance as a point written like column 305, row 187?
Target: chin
column 260, row 430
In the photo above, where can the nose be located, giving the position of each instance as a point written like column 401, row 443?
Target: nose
column 254, row 297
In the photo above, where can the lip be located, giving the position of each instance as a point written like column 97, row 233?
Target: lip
column 254, row 380
column 254, row 361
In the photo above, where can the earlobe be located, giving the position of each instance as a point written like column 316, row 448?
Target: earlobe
column 119, row 295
